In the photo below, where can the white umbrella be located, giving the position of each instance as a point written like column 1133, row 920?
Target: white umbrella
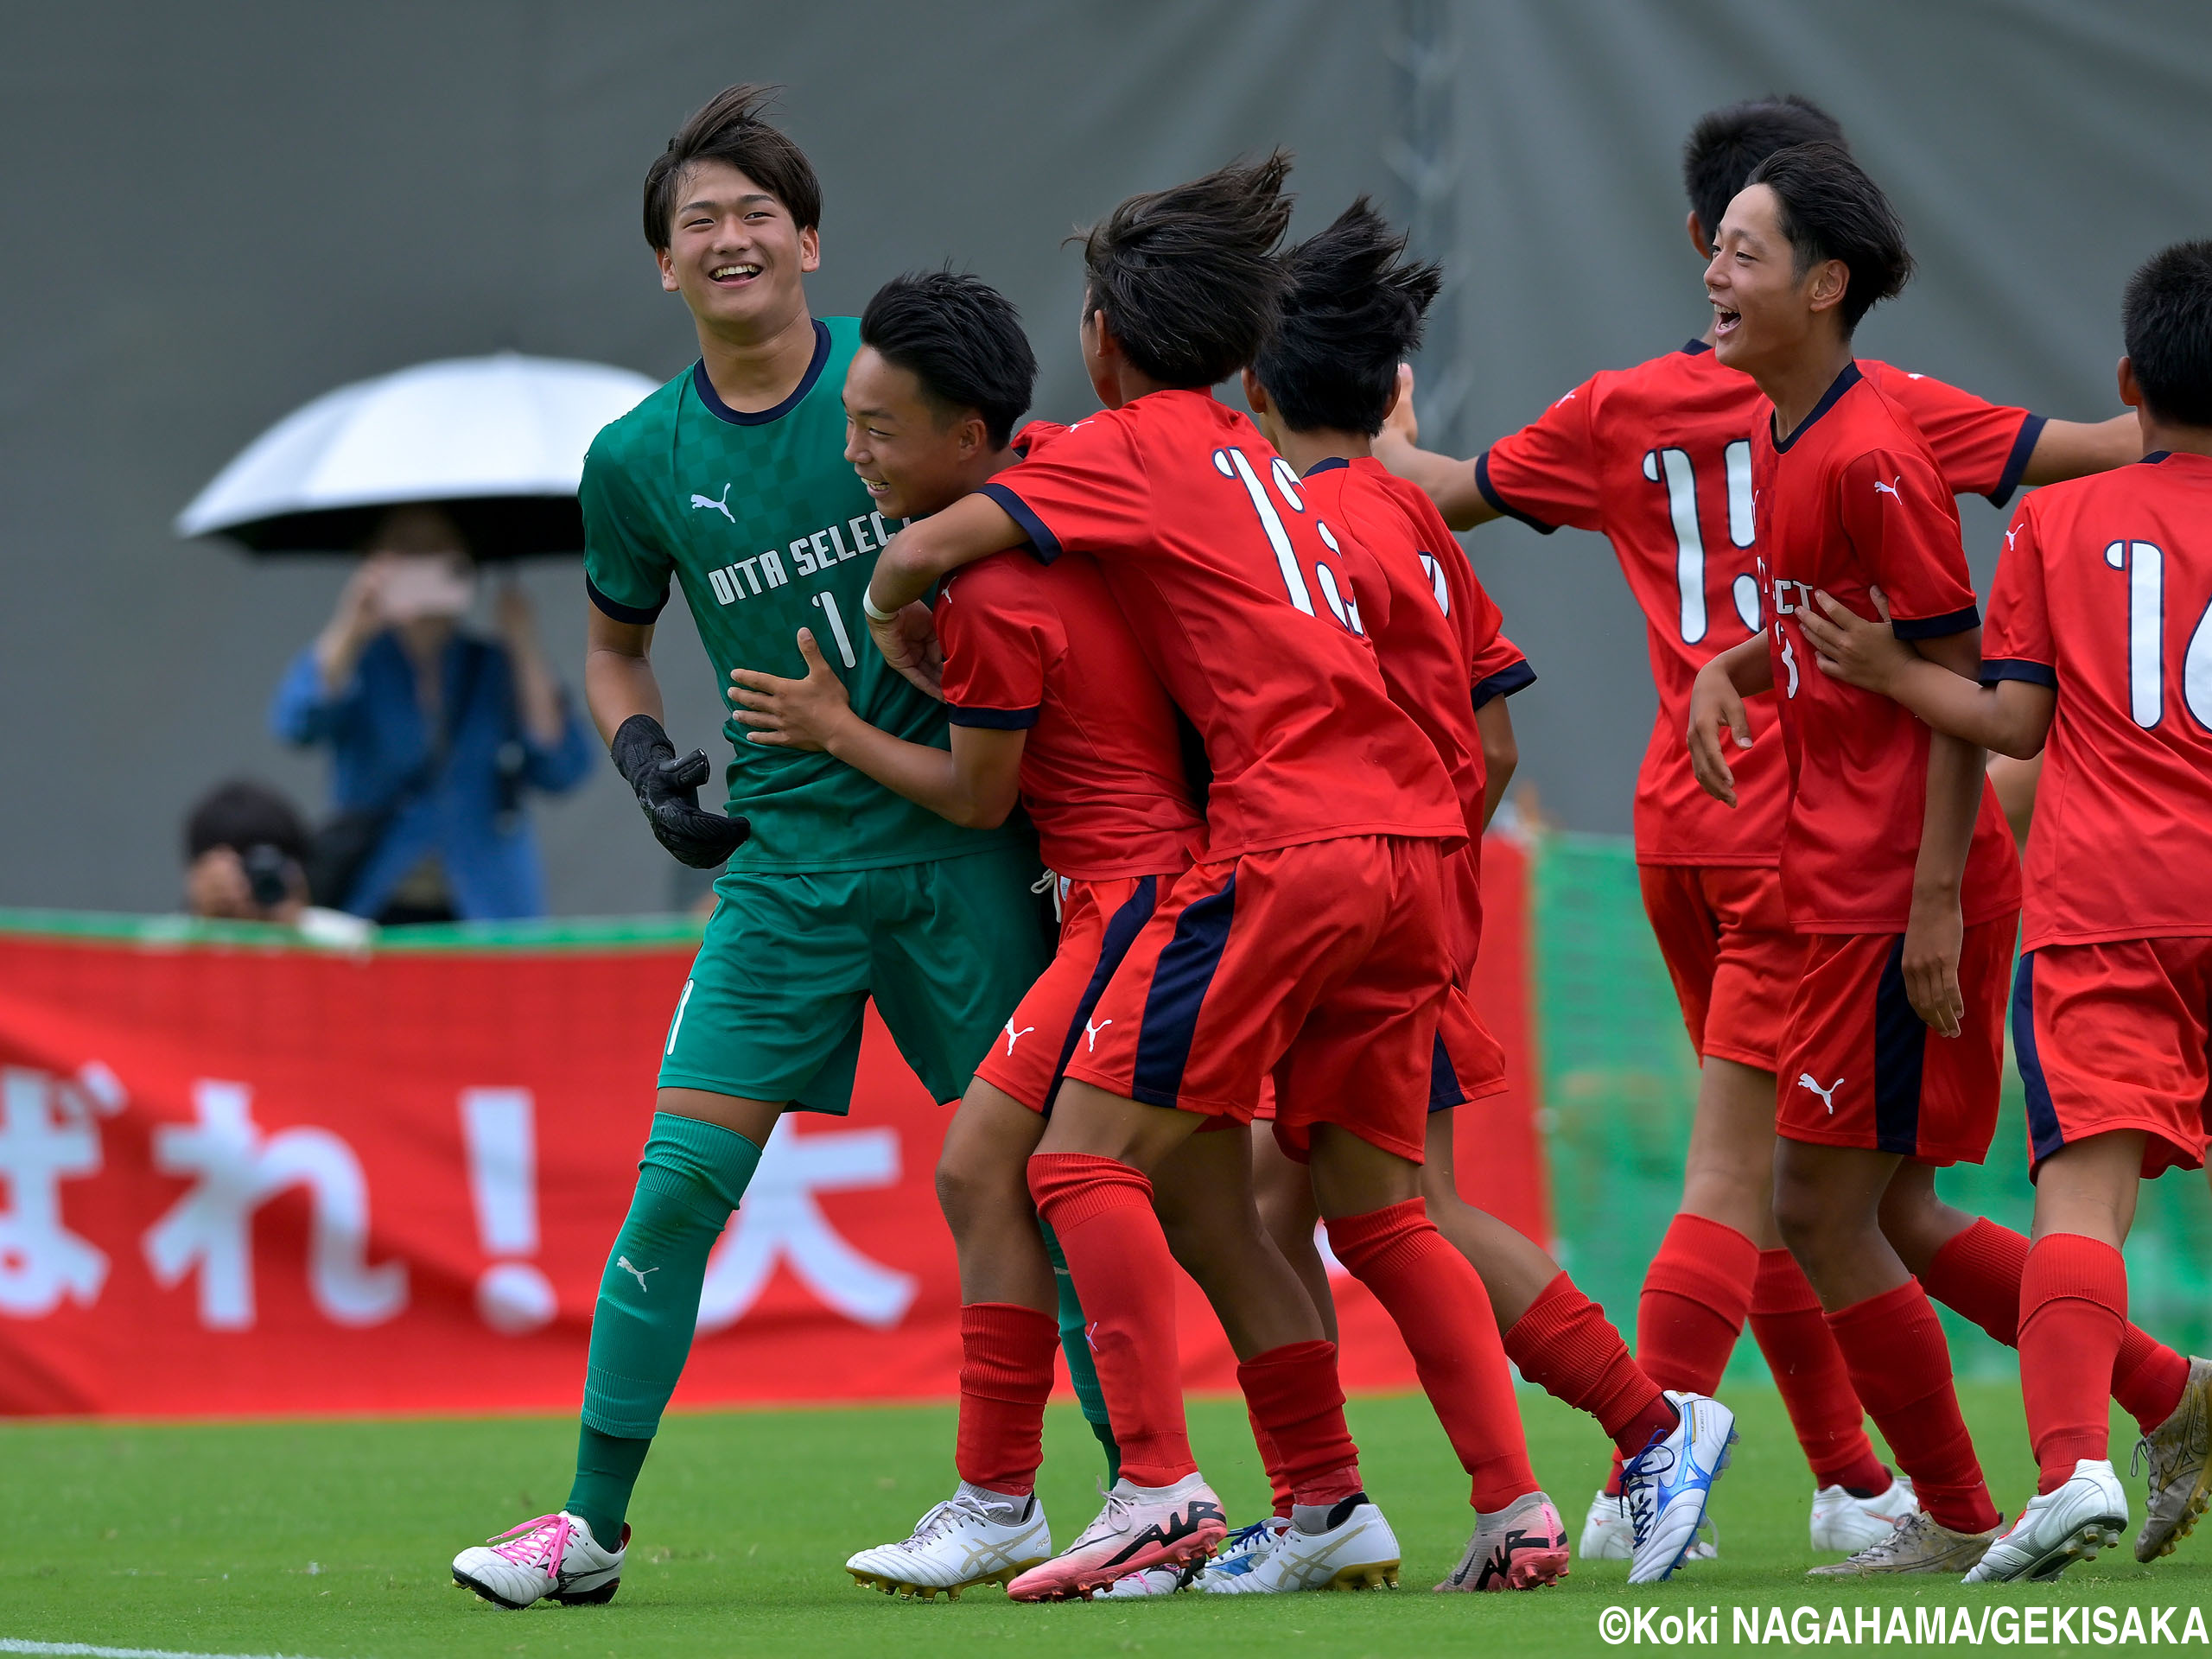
column 498, row 441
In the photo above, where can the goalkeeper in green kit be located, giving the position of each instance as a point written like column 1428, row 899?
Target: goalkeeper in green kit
column 732, row 479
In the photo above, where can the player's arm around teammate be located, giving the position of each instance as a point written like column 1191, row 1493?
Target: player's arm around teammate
column 2113, row 998
column 835, row 893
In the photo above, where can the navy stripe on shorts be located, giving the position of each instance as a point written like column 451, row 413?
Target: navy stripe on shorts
column 1121, row 931
column 2045, row 1135
column 1180, row 981
column 1900, row 1049
column 1444, row 1090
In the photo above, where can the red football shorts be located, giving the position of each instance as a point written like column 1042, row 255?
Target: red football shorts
column 1098, row 922
column 2113, row 1037
column 1859, row 1068
column 1468, row 1064
column 1730, row 952
column 1325, row 962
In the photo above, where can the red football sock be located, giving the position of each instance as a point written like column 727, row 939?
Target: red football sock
column 1901, row 1368
column 1006, row 1376
column 2148, row 1378
column 2073, row 1303
column 1438, row 1303
column 1101, row 1210
column 1295, row 1399
column 1977, row 1273
column 1809, row 1369
column 1271, row 1460
column 1566, row 1345
column 1696, row 1293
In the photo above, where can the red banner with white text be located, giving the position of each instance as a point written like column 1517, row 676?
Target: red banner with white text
column 241, row 1180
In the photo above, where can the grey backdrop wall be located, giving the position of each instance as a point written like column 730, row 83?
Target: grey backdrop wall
column 213, row 217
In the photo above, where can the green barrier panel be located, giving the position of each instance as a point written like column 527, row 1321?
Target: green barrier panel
column 1620, row 1083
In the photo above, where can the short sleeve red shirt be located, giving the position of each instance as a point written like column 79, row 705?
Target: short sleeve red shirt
column 1045, row 650
column 1851, row 500
column 1237, row 592
column 1657, row 459
column 1436, row 632
column 2104, row 591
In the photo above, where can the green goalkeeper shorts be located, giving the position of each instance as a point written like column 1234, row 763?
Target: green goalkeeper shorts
column 772, row 1009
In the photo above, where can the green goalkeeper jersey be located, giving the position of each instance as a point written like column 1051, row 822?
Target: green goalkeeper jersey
column 767, row 529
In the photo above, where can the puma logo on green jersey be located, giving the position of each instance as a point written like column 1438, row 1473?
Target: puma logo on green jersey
column 718, row 505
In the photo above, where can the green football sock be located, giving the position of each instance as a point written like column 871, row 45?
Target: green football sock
column 607, row 1470
column 1082, row 1371
column 690, row 1178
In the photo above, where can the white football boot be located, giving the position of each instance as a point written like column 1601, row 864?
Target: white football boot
column 1608, row 1534
column 2058, row 1529
column 963, row 1541
column 1244, row 1549
column 553, row 1557
column 1359, row 1551
column 1844, row 1523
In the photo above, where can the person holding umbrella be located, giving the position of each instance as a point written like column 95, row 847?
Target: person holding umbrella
column 435, row 734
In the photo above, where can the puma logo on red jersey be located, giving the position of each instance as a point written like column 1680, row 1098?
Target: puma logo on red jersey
column 1889, row 488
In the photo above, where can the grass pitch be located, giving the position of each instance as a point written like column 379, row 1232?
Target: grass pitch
column 331, row 1540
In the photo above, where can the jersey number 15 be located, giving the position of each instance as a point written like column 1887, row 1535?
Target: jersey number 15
column 1342, row 603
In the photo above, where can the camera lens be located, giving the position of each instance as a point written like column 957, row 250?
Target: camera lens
column 265, row 874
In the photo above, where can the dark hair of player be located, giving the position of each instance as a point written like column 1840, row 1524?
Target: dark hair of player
column 728, row 128
column 962, row 339
column 1353, row 311
column 243, row 815
column 1832, row 210
column 1727, row 144
column 1187, row 277
column 2167, row 323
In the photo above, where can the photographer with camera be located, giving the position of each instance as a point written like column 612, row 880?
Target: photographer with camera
column 435, row 735
column 246, row 853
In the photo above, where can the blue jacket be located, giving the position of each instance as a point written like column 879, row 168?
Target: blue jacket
column 469, row 811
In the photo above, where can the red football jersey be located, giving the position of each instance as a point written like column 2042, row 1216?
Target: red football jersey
column 2104, row 590
column 1853, row 499
column 1657, row 459
column 1236, row 593
column 1432, row 624
column 1102, row 769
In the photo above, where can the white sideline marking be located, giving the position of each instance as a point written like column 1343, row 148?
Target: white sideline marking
column 85, row 1650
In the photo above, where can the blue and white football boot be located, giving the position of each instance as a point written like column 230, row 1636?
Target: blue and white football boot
column 1667, row 1485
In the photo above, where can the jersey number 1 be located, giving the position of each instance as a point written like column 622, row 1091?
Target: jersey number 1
column 1342, row 604
column 1689, row 541
column 2145, row 564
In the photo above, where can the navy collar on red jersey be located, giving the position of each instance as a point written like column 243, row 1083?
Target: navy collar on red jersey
column 2156, row 456
column 1328, row 466
column 722, row 411
column 1844, row 382
column 1695, row 348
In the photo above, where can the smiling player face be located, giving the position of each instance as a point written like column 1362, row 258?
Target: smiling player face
column 735, row 254
column 913, row 457
column 1764, row 311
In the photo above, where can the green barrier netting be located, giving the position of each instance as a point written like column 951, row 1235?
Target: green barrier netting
column 1620, row 1081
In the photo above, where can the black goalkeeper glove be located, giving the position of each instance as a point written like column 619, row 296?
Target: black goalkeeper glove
column 668, row 793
